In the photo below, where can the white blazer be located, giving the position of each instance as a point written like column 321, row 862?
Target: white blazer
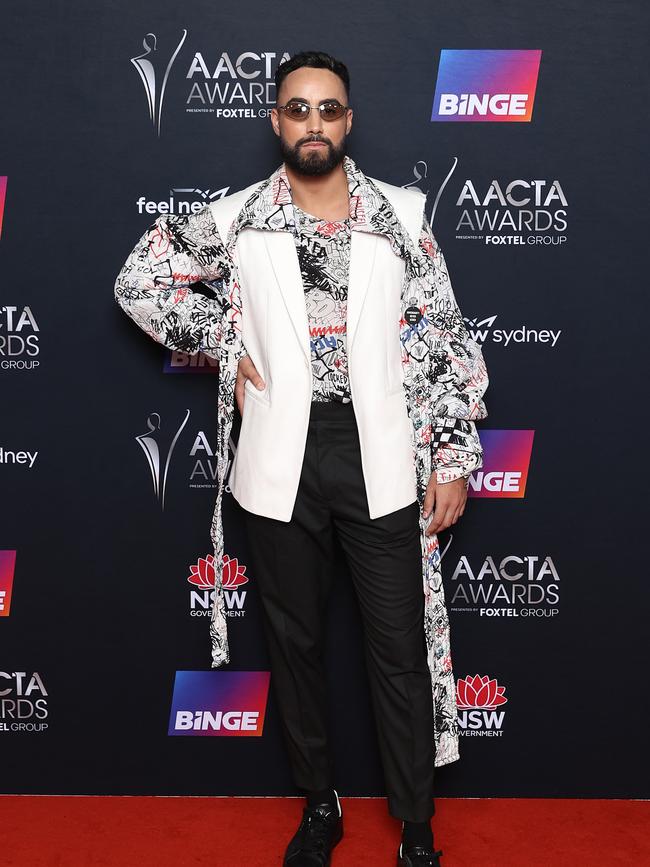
column 266, row 469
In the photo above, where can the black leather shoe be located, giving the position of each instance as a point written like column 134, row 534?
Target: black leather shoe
column 416, row 856
column 319, row 831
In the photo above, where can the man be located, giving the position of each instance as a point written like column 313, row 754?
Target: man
column 338, row 334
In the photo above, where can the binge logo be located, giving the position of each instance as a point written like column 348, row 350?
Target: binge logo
column 7, row 568
column 506, row 458
column 486, row 85
column 184, row 362
column 227, row 703
column 3, row 196
column 478, row 699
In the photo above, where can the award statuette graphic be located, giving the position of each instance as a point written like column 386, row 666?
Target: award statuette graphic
column 154, row 88
column 413, row 185
column 150, row 444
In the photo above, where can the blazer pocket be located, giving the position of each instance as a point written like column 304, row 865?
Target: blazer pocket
column 255, row 394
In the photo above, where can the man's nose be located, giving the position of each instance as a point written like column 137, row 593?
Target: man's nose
column 315, row 121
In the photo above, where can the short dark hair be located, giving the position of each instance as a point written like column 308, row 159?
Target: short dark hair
column 317, row 60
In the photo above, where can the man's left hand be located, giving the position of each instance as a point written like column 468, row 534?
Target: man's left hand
column 449, row 500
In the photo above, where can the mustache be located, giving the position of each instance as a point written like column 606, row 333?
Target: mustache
column 314, row 138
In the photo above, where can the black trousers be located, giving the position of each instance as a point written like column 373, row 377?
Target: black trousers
column 292, row 567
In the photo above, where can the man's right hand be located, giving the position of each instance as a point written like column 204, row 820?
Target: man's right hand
column 246, row 370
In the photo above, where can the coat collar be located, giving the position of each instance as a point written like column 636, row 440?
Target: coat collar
column 270, row 207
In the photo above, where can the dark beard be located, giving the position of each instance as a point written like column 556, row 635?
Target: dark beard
column 313, row 163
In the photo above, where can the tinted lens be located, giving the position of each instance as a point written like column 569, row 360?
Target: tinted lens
column 296, row 110
column 331, row 110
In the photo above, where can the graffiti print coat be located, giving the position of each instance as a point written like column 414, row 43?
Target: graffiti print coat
column 181, row 285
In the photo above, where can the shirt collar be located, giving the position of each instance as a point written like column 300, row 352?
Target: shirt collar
column 270, row 207
column 281, row 193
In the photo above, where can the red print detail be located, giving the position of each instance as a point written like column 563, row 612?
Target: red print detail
column 186, row 278
column 322, row 330
column 281, row 190
column 428, row 247
column 159, row 243
column 327, row 229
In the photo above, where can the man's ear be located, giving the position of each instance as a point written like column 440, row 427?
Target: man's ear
column 275, row 121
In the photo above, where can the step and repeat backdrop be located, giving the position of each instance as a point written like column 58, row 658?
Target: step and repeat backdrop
column 522, row 124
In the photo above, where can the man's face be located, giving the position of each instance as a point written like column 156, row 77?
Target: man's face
column 312, row 86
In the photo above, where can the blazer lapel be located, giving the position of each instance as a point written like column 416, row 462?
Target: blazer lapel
column 363, row 249
column 283, row 258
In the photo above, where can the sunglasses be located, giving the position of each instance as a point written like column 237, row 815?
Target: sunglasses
column 329, row 109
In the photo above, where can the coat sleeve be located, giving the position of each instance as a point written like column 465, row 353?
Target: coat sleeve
column 458, row 374
column 158, row 286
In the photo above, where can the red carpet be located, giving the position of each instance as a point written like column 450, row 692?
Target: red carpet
column 81, row 831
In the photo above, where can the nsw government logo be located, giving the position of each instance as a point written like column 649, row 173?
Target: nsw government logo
column 202, row 578
column 478, row 699
column 486, row 85
column 225, row 703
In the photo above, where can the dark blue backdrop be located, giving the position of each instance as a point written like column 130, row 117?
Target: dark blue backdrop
column 101, row 604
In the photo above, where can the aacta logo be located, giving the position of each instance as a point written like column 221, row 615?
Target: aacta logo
column 7, row 568
column 23, row 702
column 203, row 576
column 19, row 338
column 219, row 703
column 477, row 699
column 486, row 85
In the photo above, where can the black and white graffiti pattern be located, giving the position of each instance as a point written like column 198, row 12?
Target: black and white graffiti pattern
column 180, row 284
column 323, row 249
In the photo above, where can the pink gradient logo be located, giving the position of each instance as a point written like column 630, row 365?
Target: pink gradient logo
column 480, row 86
column 184, row 362
column 506, row 458
column 219, row 703
column 7, row 568
column 3, row 196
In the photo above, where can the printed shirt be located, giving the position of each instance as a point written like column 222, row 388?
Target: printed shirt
column 323, row 248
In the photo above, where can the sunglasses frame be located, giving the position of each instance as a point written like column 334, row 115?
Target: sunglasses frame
column 323, row 102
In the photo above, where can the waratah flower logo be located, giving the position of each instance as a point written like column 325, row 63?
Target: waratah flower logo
column 479, row 691
column 202, row 573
